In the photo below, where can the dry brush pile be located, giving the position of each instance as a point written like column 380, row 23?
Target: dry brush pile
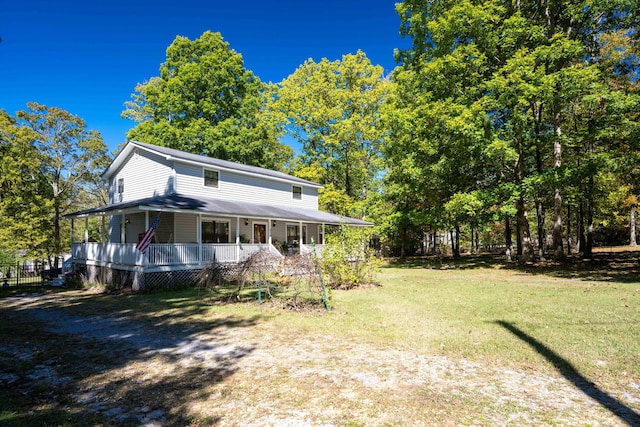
column 294, row 281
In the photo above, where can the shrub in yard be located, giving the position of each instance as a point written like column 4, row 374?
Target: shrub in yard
column 347, row 260
column 73, row 280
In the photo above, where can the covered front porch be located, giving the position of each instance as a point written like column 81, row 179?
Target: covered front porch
column 193, row 232
column 190, row 233
column 164, row 256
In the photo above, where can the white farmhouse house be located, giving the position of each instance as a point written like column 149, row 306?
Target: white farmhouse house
column 207, row 210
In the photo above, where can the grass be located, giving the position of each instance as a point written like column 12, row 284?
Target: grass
column 580, row 319
column 461, row 312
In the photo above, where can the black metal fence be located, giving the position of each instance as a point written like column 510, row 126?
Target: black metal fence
column 25, row 274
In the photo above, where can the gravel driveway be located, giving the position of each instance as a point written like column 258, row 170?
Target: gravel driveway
column 132, row 373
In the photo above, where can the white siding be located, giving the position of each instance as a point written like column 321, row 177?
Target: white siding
column 235, row 186
column 186, row 228
column 165, row 231
column 135, row 227
column 114, row 229
column 145, row 175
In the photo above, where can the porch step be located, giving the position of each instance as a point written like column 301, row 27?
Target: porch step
column 58, row 281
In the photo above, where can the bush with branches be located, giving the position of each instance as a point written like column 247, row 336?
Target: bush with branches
column 347, row 259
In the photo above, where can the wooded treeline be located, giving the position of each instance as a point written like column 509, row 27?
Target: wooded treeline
column 49, row 166
column 507, row 124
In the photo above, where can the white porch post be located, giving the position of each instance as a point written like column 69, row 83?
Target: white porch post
column 269, row 228
column 301, row 238
column 86, row 230
column 102, row 228
column 199, row 237
column 122, row 228
column 145, row 259
column 323, row 235
column 238, row 239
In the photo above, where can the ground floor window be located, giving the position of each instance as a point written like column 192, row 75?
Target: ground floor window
column 293, row 234
column 215, row 232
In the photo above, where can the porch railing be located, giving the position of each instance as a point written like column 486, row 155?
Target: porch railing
column 171, row 254
column 308, row 249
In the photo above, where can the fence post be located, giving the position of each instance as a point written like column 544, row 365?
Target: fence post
column 5, row 281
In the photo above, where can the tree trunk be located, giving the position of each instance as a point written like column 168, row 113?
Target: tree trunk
column 477, row 240
column 508, row 242
column 525, row 236
column 568, row 229
column 558, row 250
column 588, row 252
column 347, row 175
column 582, row 237
column 518, row 237
column 542, row 235
column 453, row 244
column 472, row 249
column 456, row 254
column 434, row 248
column 588, row 249
column 57, row 240
column 632, row 226
column 403, row 241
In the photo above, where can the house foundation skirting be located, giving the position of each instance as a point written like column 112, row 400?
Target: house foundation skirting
column 137, row 280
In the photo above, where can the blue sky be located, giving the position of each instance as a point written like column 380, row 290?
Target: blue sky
column 87, row 57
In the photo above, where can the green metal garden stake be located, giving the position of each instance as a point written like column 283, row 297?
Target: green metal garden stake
column 259, row 276
column 324, row 290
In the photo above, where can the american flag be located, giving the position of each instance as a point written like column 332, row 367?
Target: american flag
column 145, row 240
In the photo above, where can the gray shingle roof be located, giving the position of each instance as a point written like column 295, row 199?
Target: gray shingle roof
column 177, row 202
column 217, row 163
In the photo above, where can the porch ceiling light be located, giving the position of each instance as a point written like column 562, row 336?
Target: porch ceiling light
column 246, row 222
column 274, row 223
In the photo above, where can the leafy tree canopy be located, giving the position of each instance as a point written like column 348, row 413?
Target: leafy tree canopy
column 332, row 109
column 60, row 158
column 206, row 102
column 25, row 202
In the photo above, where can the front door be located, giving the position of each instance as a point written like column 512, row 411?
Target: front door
column 259, row 233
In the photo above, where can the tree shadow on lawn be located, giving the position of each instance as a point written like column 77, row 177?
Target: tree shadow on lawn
column 619, row 267
column 564, row 367
column 59, row 368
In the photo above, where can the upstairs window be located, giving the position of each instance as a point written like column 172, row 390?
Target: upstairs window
column 120, row 185
column 296, row 192
column 211, row 178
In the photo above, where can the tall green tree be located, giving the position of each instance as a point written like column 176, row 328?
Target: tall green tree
column 25, row 202
column 206, row 102
column 333, row 109
column 70, row 157
column 489, row 93
column 440, row 137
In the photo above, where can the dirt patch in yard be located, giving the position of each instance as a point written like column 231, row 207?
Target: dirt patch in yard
column 115, row 370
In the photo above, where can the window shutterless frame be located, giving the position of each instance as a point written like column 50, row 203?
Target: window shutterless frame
column 296, row 192
column 211, row 178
